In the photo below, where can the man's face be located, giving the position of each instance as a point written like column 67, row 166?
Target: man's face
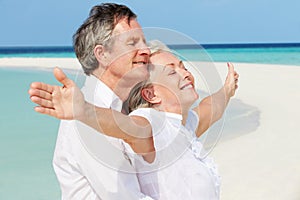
column 129, row 55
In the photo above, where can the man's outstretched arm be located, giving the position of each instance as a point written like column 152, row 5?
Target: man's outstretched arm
column 58, row 101
column 67, row 102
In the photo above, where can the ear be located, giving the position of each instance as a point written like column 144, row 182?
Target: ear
column 149, row 95
column 100, row 54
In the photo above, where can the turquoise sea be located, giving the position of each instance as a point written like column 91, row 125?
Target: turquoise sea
column 27, row 139
column 282, row 53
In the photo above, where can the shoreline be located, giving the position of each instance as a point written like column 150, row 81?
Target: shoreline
column 73, row 63
column 258, row 153
column 18, row 62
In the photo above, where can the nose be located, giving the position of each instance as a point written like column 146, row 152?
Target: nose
column 185, row 74
column 144, row 49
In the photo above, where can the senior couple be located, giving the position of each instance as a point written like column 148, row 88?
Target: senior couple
column 104, row 153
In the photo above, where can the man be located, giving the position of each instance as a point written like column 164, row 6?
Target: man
column 111, row 48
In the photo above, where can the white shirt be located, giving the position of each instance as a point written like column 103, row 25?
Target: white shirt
column 178, row 171
column 89, row 165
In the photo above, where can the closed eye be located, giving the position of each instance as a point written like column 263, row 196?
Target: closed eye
column 172, row 72
column 132, row 41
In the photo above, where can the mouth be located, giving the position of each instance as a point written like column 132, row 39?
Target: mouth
column 187, row 86
column 140, row 63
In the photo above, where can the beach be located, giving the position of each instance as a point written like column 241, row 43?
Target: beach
column 258, row 154
column 264, row 163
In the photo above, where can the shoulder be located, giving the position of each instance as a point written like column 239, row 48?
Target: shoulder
column 144, row 112
column 150, row 114
column 157, row 119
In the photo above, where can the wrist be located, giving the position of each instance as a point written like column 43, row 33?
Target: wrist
column 82, row 112
column 227, row 91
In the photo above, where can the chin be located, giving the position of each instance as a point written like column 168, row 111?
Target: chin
column 196, row 96
column 142, row 72
column 135, row 79
column 137, row 75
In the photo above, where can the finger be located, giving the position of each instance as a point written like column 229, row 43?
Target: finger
column 42, row 110
column 62, row 78
column 236, row 75
column 42, row 102
column 46, row 111
column 230, row 68
column 40, row 93
column 42, row 86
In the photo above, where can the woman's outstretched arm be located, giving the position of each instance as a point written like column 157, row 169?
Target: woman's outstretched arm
column 211, row 108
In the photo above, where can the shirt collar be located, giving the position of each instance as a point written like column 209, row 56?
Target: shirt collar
column 99, row 94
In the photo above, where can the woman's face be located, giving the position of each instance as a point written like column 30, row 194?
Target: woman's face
column 171, row 81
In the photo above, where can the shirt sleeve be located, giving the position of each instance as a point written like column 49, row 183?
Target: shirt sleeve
column 157, row 123
column 157, row 119
column 166, row 135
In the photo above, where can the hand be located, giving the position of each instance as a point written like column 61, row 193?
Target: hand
column 62, row 102
column 231, row 81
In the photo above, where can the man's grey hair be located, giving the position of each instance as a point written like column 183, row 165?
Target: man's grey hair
column 97, row 30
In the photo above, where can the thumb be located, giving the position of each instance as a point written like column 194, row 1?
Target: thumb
column 62, row 78
column 230, row 68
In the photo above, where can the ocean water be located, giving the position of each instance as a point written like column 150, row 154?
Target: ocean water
column 27, row 139
column 285, row 54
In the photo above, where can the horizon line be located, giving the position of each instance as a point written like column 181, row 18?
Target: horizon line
column 172, row 46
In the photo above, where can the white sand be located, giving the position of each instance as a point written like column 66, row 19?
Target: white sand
column 66, row 63
column 265, row 163
column 261, row 160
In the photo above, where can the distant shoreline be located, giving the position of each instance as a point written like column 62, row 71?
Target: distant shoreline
column 234, row 45
column 66, row 63
column 57, row 49
column 73, row 63
column 264, row 53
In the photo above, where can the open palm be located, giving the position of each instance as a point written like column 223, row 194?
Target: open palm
column 62, row 102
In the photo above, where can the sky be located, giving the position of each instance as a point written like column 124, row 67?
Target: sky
column 52, row 23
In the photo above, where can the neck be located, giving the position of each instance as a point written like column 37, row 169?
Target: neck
column 184, row 117
column 119, row 86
